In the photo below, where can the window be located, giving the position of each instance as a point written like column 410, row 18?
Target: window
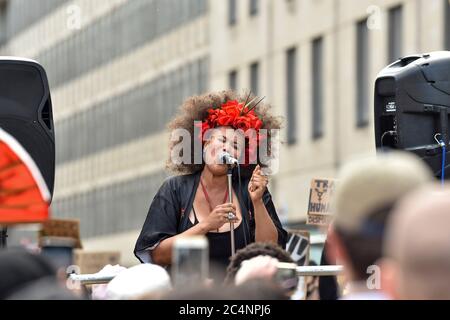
column 119, row 127
column 447, row 24
column 291, row 101
column 3, row 24
column 96, row 45
column 395, row 34
column 232, row 80
column 254, row 7
column 317, row 88
column 232, row 12
column 254, row 78
column 362, row 74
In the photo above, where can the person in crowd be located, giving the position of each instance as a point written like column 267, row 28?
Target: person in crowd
column 28, row 276
column 328, row 285
column 99, row 291
column 367, row 191
column 417, row 247
column 141, row 282
column 254, row 250
column 312, row 285
column 266, row 268
column 252, row 289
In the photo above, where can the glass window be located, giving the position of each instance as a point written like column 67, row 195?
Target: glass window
column 232, row 12
column 317, row 88
column 254, row 7
column 254, row 78
column 362, row 74
column 395, row 34
column 447, row 24
column 291, row 92
column 233, row 80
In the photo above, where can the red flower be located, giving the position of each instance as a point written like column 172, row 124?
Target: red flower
column 243, row 123
column 225, row 120
column 213, row 115
column 232, row 113
column 233, row 104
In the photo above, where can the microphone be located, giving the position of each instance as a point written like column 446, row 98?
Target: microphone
column 226, row 158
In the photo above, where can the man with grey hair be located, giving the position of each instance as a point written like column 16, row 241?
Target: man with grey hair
column 366, row 192
column 417, row 247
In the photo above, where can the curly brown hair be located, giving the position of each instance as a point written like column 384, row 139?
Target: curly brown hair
column 253, row 250
column 196, row 108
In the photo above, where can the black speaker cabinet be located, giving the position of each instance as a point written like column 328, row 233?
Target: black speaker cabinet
column 26, row 111
column 412, row 105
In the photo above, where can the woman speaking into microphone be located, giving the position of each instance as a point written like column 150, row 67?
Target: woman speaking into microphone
column 196, row 200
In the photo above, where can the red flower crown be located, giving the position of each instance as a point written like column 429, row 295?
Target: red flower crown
column 238, row 116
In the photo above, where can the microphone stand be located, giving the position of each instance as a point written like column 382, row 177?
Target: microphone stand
column 231, row 215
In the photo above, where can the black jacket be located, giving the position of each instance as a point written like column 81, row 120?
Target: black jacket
column 169, row 213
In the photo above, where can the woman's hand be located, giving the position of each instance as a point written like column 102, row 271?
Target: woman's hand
column 219, row 216
column 258, row 185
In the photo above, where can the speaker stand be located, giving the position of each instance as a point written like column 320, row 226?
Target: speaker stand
column 3, row 237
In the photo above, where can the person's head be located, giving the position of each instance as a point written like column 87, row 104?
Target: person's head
column 222, row 139
column 417, row 246
column 21, row 268
column 47, row 288
column 144, row 281
column 254, row 250
column 254, row 289
column 366, row 192
column 217, row 122
column 22, row 274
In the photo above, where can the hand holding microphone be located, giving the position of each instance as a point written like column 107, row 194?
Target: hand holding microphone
column 220, row 216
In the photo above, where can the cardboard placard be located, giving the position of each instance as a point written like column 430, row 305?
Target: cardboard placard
column 91, row 262
column 298, row 245
column 62, row 228
column 321, row 192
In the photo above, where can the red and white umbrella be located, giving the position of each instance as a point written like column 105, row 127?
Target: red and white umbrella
column 24, row 195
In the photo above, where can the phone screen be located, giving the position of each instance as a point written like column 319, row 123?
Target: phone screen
column 190, row 265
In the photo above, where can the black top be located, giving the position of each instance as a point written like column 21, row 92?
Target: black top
column 220, row 246
column 169, row 215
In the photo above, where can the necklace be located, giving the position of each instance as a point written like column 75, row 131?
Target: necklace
column 208, row 199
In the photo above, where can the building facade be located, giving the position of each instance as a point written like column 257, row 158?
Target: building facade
column 119, row 69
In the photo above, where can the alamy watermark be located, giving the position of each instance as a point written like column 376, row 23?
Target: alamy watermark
column 265, row 151
column 74, row 15
column 373, row 282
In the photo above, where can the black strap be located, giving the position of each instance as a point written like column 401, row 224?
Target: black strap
column 195, row 216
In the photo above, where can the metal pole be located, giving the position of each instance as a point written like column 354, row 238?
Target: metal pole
column 89, row 279
column 319, row 271
column 231, row 215
column 3, row 237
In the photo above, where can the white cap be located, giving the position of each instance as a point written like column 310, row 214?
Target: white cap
column 370, row 184
column 138, row 281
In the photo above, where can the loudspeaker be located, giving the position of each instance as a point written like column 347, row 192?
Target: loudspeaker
column 412, row 105
column 26, row 111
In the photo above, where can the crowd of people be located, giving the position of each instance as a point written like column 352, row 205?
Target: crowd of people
column 390, row 233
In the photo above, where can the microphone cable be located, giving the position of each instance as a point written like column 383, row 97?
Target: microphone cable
column 244, row 215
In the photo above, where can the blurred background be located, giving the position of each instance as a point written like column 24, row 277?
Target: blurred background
column 119, row 69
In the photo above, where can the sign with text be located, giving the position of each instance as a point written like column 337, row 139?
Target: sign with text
column 320, row 194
